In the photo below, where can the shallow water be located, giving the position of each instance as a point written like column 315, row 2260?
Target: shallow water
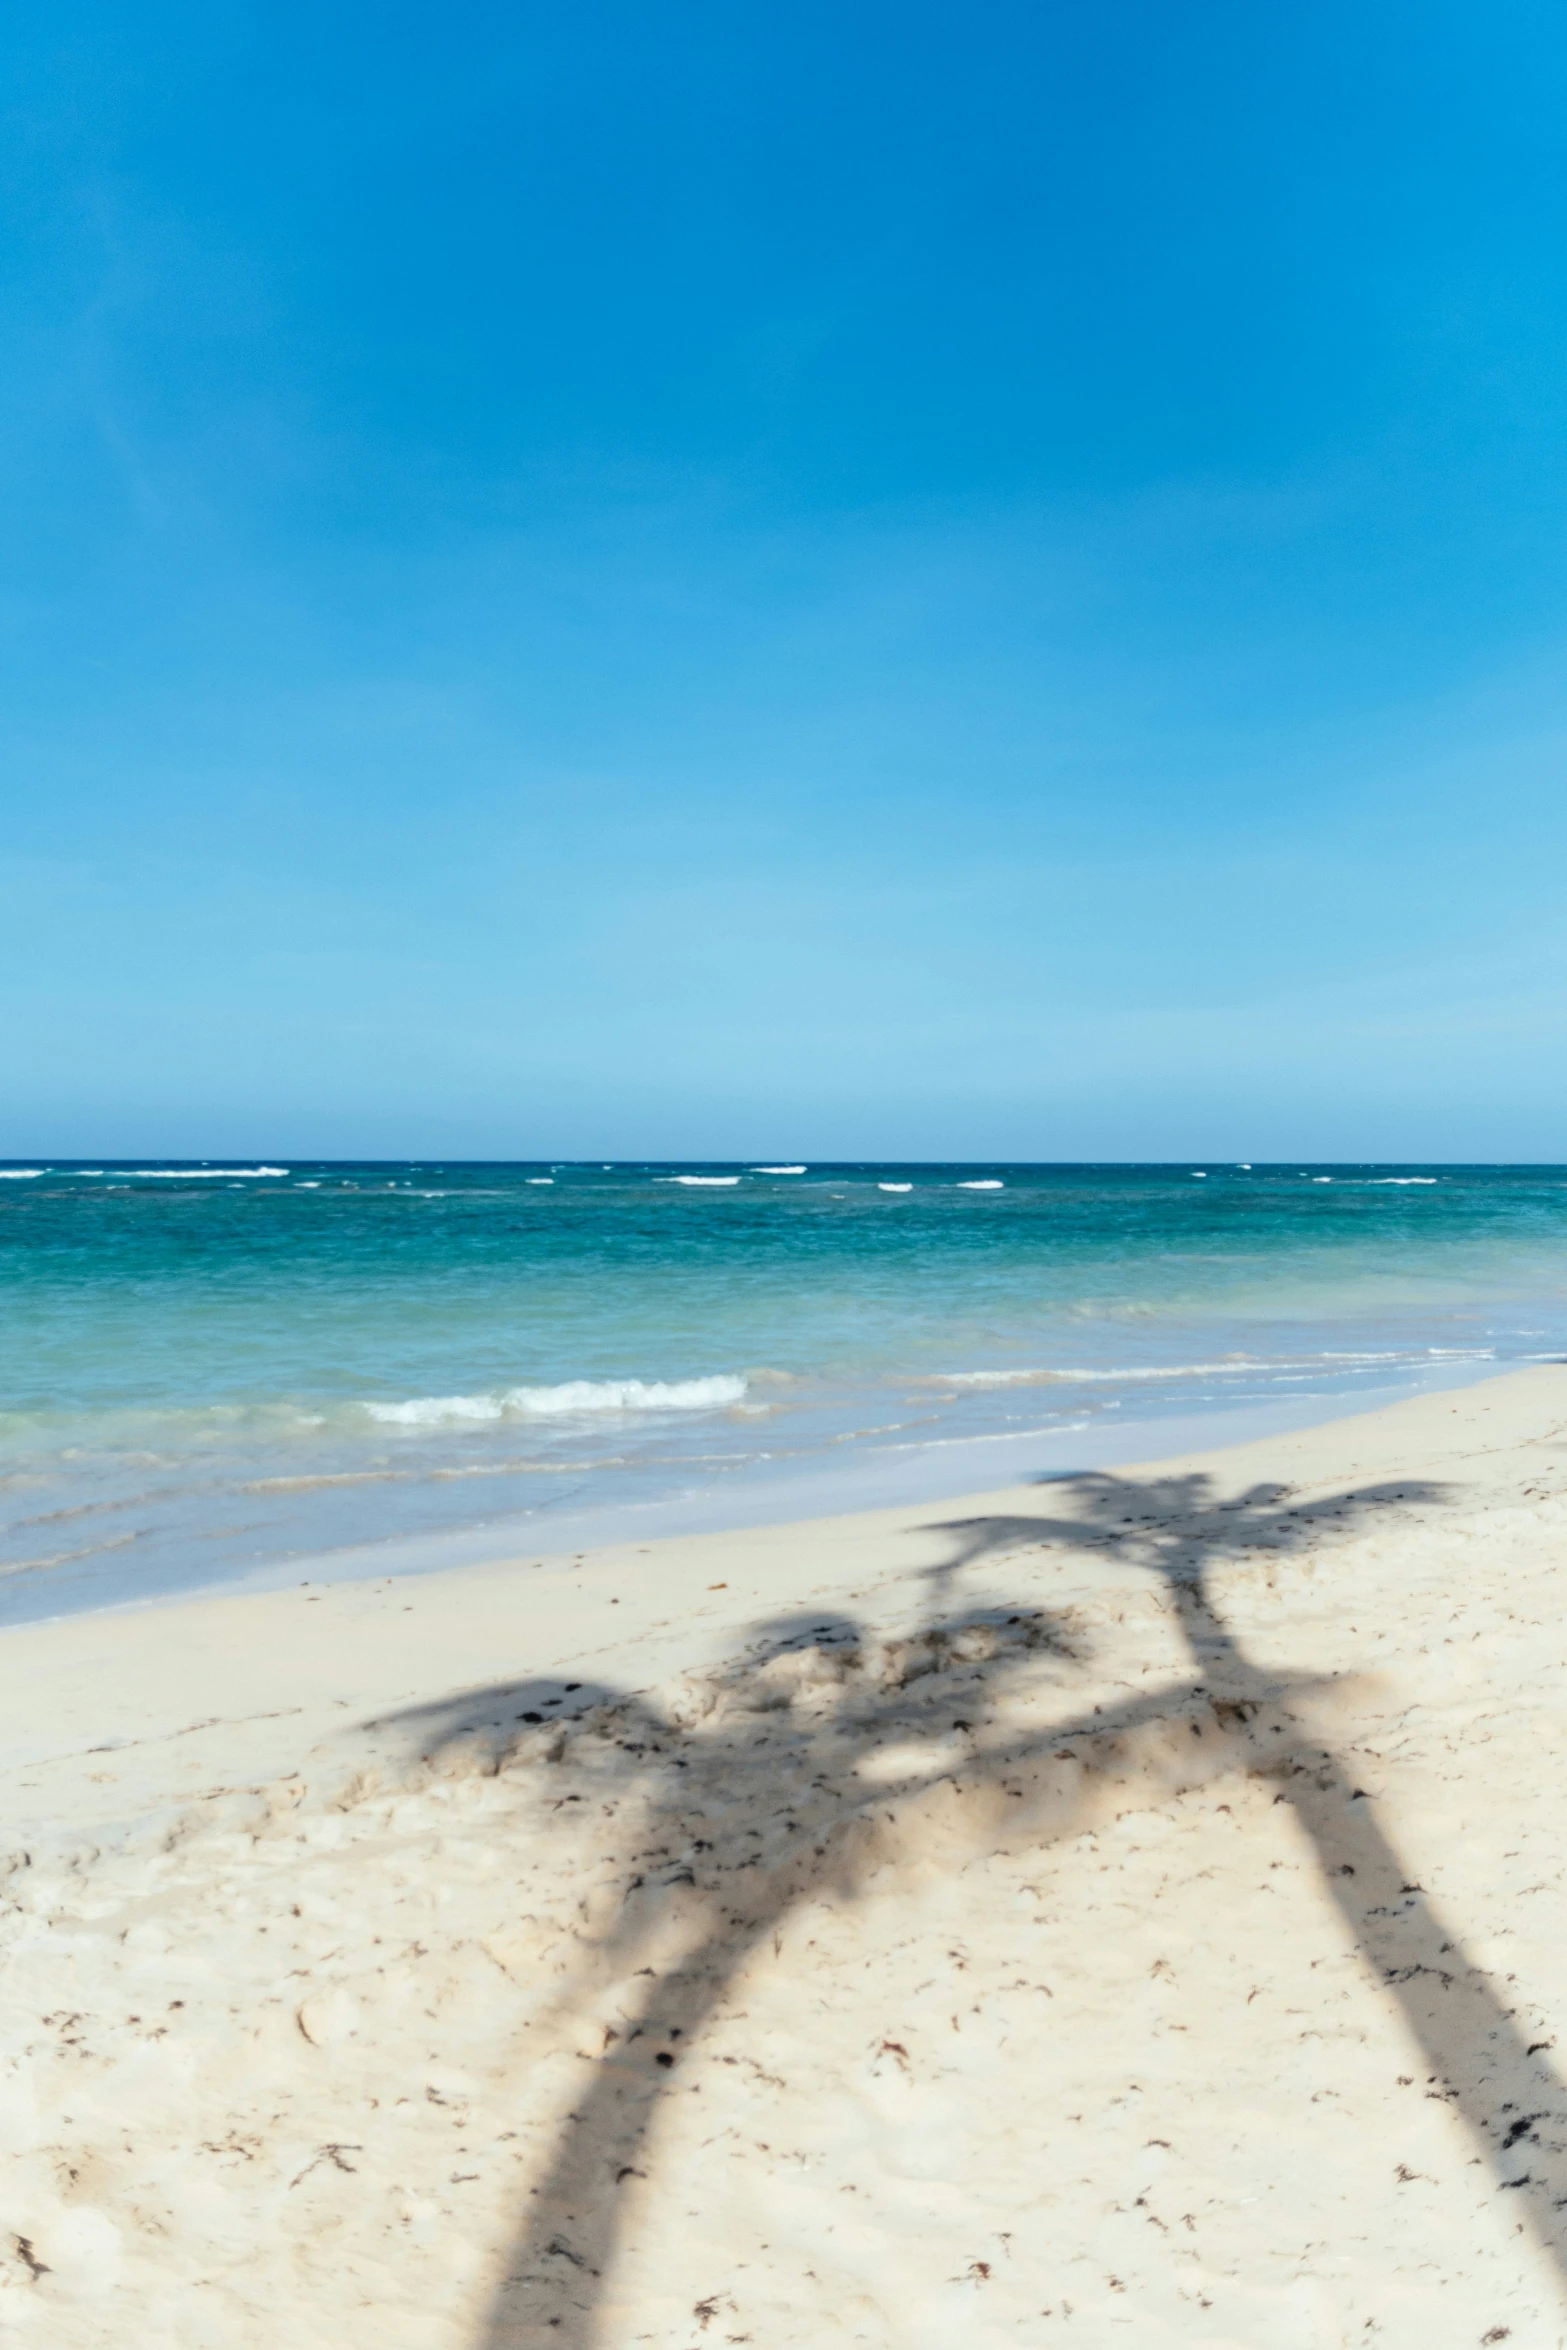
column 209, row 1370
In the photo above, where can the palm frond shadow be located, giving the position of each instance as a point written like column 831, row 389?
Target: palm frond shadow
column 769, row 1786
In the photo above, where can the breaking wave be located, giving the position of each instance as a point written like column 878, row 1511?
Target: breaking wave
column 572, row 1396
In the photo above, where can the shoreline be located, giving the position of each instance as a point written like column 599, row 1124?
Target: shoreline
column 868, row 1477
column 993, row 1870
column 202, row 1667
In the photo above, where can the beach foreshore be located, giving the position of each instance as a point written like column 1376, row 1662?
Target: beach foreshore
column 1126, row 1905
column 891, row 1472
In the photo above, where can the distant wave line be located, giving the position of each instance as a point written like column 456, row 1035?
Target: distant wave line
column 191, row 1174
column 1249, row 1366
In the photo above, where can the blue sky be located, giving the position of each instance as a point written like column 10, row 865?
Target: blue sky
column 857, row 579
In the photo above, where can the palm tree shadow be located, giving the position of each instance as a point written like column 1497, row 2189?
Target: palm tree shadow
column 1503, row 2087
column 769, row 1785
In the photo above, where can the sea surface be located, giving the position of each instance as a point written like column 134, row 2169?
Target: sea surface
column 210, row 1371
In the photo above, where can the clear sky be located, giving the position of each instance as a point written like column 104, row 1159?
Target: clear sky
column 858, row 579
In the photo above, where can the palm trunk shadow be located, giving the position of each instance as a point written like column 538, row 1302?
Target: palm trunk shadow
column 1502, row 2086
column 1506, row 2090
column 558, row 2271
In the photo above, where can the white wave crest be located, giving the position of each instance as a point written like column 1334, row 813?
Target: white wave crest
column 706, row 1182
column 572, row 1396
column 778, row 1170
column 436, row 1411
column 894, row 1187
column 18, row 1174
column 541, row 1178
column 984, row 1183
column 1370, row 1179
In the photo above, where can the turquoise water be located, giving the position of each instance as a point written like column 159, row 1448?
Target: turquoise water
column 208, row 1370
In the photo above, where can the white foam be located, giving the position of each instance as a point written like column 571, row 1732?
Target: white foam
column 630, row 1395
column 1199, row 1174
column 435, row 1411
column 984, row 1183
column 531, row 1179
column 778, row 1170
column 1322, row 1179
column 1403, row 1179
column 571, row 1397
column 706, row 1182
column 19, row 1174
column 894, row 1187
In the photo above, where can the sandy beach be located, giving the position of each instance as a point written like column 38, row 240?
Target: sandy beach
column 1124, row 1907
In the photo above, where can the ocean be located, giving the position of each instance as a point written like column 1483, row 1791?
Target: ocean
column 217, row 1373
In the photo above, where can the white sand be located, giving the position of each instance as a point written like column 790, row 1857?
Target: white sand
column 1131, row 1911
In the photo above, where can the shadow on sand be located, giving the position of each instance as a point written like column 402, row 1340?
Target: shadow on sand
column 749, row 1799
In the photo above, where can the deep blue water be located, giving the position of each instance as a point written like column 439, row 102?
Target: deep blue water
column 207, row 1370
